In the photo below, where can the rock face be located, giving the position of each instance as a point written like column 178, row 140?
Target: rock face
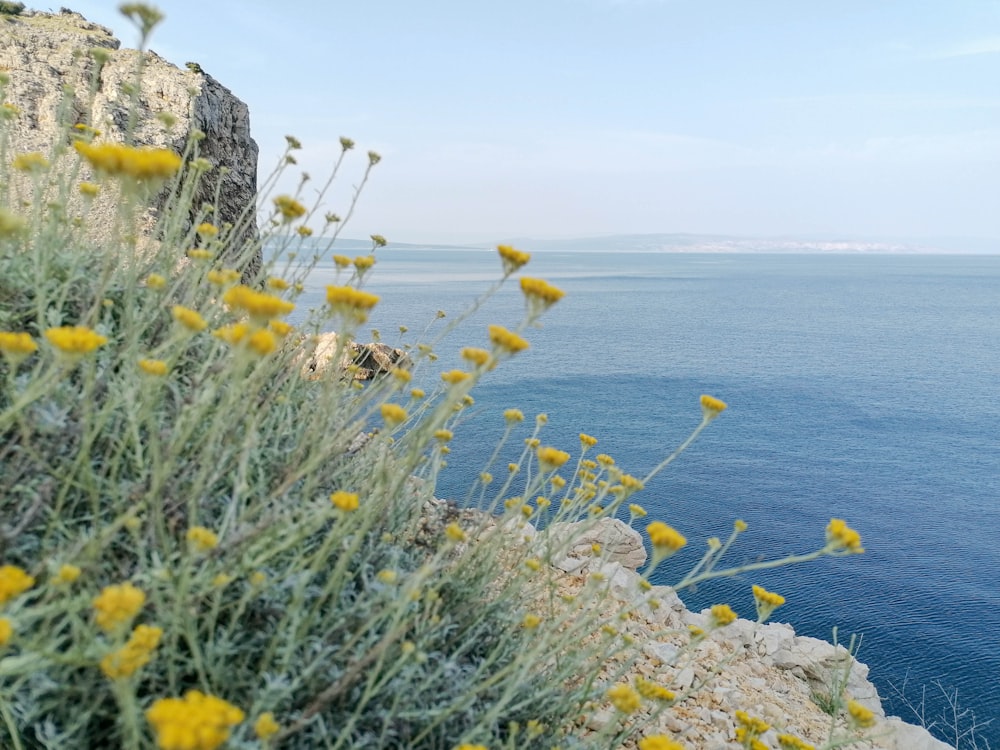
column 367, row 360
column 56, row 81
column 766, row 670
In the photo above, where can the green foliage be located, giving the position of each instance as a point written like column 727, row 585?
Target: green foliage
column 10, row 9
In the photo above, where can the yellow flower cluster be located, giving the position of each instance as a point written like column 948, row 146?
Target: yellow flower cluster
column 202, row 539
column 364, row 262
column 345, row 501
column 512, row 259
column 840, row 536
column 587, row 441
column 859, row 715
column 351, row 302
column 156, row 367
column 257, row 305
column 134, row 655
column 624, row 698
column 664, row 537
column 117, row 605
column 551, row 458
column 67, row 574
column 652, row 690
column 749, row 729
column 443, row 435
column 659, row 742
column 478, row 357
column 767, row 597
column 207, row 230
column 288, row 207
column 13, row 581
column 16, row 346
column 6, row 631
column 266, row 727
column 513, row 415
column 791, row 742
column 454, row 377
column 722, row 615
column 454, row 532
column 195, row 722
column 223, row 277
column 712, row 407
column 30, row 162
column 507, row 341
column 188, row 318
column 393, row 414
column 530, row 621
column 540, row 293
column 75, row 340
column 128, row 161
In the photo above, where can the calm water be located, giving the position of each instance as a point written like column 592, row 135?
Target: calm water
column 860, row 387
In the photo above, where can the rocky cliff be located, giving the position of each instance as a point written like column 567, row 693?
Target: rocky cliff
column 56, row 79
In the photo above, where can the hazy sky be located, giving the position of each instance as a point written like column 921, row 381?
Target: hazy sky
column 559, row 118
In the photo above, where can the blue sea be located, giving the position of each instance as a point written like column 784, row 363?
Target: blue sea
column 862, row 387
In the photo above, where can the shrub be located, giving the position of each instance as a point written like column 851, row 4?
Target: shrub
column 203, row 544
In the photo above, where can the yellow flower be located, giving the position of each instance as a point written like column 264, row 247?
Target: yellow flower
column 533, row 564
column 137, row 163
column 202, row 539
column 379, row 240
column 530, row 621
column 513, row 415
column 637, row 511
column 258, row 305
column 304, row 231
column 277, row 283
column 753, row 725
column 13, row 581
column 507, row 341
column 478, row 357
column 471, row 747
column 266, row 727
column 31, row 162
column 551, row 458
column 711, row 407
column 207, row 230
column 188, row 318
column 652, row 690
column 263, row 342
column 135, row 654
column 153, row 366
column 232, row 334
column 10, row 223
column 540, row 294
column 766, row 601
column 659, row 742
column 859, row 715
column 630, row 483
column 258, row 578
column 605, row 459
column 6, row 631
column 364, row 262
column 75, row 340
column 351, row 302
column 512, row 259
column 345, row 501
column 624, row 698
column 223, row 277
column 722, row 615
column 417, row 393
column 791, row 742
column 443, row 435
column 454, row 532
column 16, row 346
column 454, row 377
column 393, row 414
column 288, row 207
column 342, row 261
column 200, row 253
column 89, row 189
column 67, row 574
column 155, row 281
column 587, row 441
column 222, row 580
column 841, row 537
column 117, row 605
column 740, row 525
column 387, row 576
column 195, row 722
column 280, row 328
column 665, row 538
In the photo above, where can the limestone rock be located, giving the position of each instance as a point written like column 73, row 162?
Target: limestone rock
column 369, row 360
column 619, row 543
column 56, row 83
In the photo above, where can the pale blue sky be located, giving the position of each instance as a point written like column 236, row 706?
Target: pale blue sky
column 560, row 118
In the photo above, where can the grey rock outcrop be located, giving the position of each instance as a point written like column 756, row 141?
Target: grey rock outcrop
column 56, row 81
column 368, row 360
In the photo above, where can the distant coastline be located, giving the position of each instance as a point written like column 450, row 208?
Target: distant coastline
column 708, row 243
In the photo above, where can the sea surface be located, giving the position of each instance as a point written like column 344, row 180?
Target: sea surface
column 862, row 387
